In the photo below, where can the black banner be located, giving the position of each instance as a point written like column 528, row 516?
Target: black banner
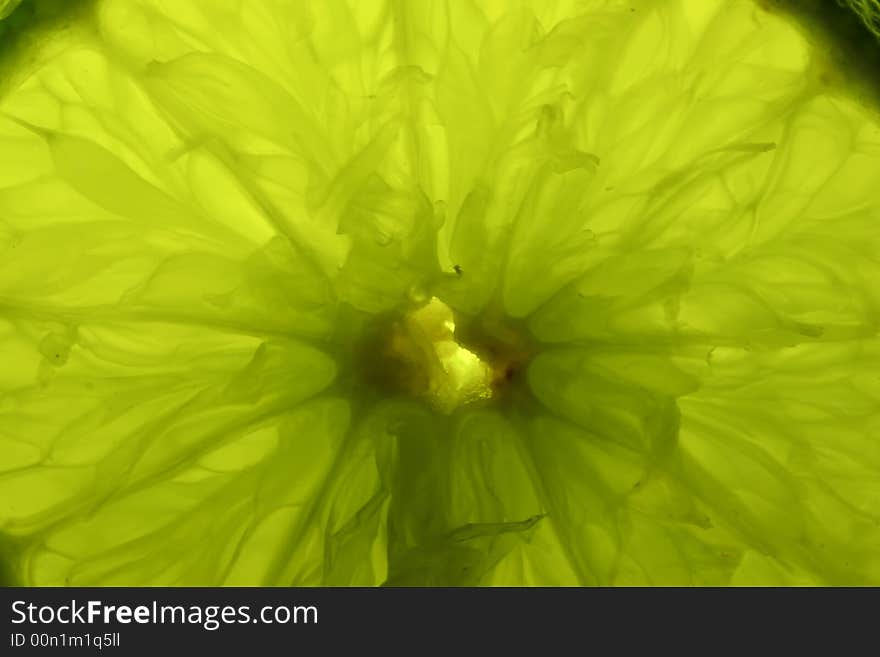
column 126, row 621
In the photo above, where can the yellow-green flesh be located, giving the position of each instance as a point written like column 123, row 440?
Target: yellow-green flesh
column 655, row 226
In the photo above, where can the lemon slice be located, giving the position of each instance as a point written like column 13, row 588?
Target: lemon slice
column 438, row 293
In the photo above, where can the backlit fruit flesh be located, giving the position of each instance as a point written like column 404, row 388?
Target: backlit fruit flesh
column 416, row 292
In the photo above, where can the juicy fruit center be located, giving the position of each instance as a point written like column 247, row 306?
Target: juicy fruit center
column 417, row 354
column 422, row 353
